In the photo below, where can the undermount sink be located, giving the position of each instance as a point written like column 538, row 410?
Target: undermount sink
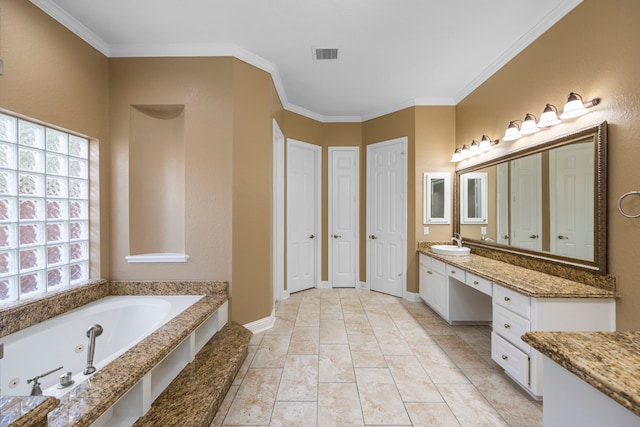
column 450, row 250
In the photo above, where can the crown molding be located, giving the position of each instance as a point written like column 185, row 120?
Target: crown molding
column 553, row 17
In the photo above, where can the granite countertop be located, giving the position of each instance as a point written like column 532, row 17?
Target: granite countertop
column 23, row 411
column 609, row 361
column 523, row 280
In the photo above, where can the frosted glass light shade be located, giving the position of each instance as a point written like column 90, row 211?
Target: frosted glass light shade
column 474, row 148
column 457, row 156
column 549, row 116
column 574, row 107
column 466, row 153
column 512, row 133
column 529, row 125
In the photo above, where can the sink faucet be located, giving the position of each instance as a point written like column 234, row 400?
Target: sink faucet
column 458, row 239
column 92, row 333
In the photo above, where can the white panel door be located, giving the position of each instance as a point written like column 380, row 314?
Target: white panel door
column 343, row 216
column 571, row 200
column 386, row 216
column 502, row 210
column 303, row 215
column 526, row 202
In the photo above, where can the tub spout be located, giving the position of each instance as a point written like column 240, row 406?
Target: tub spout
column 93, row 332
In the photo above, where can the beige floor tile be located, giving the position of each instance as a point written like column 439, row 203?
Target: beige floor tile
column 339, row 405
column 299, row 382
column 332, row 331
column 224, row 406
column 469, row 406
column 462, row 354
column 379, row 397
column 506, row 397
column 435, row 326
column 305, row 340
column 479, row 338
column 412, row 380
column 294, row 414
column 256, row 339
column 373, row 359
column 438, row 365
column 331, row 312
column 335, row 364
column 363, row 342
column 356, row 321
column 272, row 352
column 283, row 324
column 289, row 305
column 392, row 342
column 379, row 319
column 431, row 415
column 255, row 398
column 251, row 352
column 308, row 317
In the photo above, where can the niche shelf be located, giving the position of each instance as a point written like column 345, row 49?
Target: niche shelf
column 157, row 257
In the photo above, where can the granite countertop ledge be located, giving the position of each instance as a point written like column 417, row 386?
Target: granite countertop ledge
column 523, row 280
column 609, row 361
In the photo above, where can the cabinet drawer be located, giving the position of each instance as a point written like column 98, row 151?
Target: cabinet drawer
column 456, row 273
column 483, row 285
column 511, row 326
column 512, row 300
column 425, row 261
column 438, row 266
column 512, row 360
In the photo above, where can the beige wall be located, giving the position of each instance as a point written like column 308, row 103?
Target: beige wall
column 53, row 76
column 592, row 51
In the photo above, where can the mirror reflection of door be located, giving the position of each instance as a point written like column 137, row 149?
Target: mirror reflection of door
column 571, row 200
column 437, row 198
column 526, row 202
column 474, row 198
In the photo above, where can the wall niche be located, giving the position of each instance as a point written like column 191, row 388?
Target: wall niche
column 157, row 183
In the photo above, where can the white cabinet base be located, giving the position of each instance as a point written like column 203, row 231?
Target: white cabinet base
column 570, row 401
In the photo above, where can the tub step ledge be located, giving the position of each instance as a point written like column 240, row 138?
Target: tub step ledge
column 194, row 396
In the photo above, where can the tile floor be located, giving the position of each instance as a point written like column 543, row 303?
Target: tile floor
column 347, row 357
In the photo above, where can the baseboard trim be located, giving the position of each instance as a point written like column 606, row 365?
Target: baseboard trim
column 324, row 284
column 262, row 324
column 412, row 296
column 362, row 285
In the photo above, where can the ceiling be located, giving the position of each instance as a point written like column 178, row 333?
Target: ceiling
column 392, row 53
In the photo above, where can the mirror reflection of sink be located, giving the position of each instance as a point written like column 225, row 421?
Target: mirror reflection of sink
column 450, row 250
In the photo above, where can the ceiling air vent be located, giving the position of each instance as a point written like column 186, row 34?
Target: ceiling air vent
column 322, row 54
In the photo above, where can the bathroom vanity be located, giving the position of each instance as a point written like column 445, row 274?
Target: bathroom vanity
column 477, row 290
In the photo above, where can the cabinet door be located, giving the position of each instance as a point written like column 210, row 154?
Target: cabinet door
column 437, row 294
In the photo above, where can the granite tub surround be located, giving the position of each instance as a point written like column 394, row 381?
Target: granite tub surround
column 609, row 361
column 554, row 268
column 86, row 402
column 193, row 398
column 527, row 281
column 27, row 411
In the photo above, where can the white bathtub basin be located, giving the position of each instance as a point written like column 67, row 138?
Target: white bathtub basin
column 450, row 250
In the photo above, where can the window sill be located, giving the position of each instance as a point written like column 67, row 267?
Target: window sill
column 158, row 257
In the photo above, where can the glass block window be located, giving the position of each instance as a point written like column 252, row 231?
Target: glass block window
column 44, row 209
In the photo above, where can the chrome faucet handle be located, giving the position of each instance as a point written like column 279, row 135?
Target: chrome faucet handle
column 35, row 388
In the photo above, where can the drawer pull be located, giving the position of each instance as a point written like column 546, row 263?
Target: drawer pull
column 453, row 272
column 429, row 272
column 504, row 357
column 507, row 299
column 507, row 326
column 475, row 282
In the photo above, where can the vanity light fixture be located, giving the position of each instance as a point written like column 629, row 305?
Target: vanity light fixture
column 474, row 148
column 457, row 155
column 487, row 143
column 576, row 107
column 466, row 153
column 529, row 125
column 513, row 131
column 549, row 116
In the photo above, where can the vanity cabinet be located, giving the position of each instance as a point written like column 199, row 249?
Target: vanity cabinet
column 514, row 314
column 462, row 297
column 453, row 293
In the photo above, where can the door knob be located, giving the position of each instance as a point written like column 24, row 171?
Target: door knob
column 312, row 236
column 373, row 237
column 563, row 238
column 533, row 236
column 337, row 236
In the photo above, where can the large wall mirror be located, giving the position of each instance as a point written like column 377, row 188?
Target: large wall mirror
column 547, row 201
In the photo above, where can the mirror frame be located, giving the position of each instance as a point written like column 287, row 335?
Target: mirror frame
column 599, row 264
column 427, row 218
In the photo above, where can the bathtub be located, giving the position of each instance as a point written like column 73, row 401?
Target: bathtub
column 62, row 340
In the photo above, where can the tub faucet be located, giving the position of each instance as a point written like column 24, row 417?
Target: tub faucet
column 36, row 390
column 93, row 332
column 458, row 239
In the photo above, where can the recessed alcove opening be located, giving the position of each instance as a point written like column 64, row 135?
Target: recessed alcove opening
column 157, row 183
